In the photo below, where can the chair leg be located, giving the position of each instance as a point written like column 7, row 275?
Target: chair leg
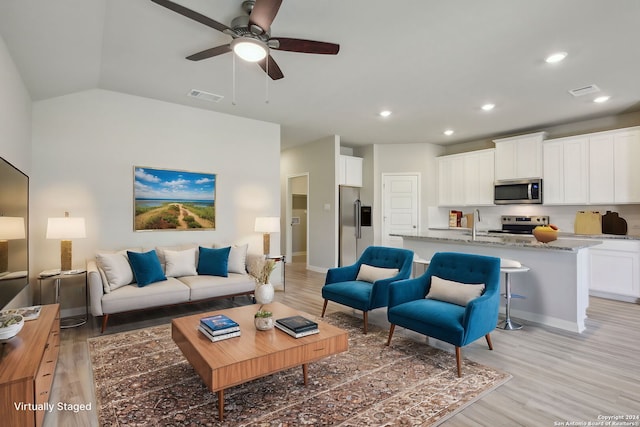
column 488, row 337
column 391, row 329
column 459, row 361
column 324, row 307
column 365, row 315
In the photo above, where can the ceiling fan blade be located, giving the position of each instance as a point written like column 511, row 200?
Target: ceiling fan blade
column 209, row 53
column 263, row 13
column 274, row 70
column 192, row 14
column 306, row 46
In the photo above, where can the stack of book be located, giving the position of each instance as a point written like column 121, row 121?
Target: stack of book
column 297, row 326
column 219, row 327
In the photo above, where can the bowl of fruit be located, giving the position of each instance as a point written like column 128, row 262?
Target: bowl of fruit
column 10, row 325
column 545, row 233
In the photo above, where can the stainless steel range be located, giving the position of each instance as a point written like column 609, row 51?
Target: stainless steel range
column 514, row 224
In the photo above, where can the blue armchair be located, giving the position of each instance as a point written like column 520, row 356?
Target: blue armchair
column 364, row 288
column 450, row 322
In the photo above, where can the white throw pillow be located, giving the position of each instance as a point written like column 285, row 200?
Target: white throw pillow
column 116, row 268
column 180, row 263
column 238, row 259
column 453, row 292
column 369, row 273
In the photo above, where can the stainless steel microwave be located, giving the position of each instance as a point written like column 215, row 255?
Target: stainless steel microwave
column 518, row 191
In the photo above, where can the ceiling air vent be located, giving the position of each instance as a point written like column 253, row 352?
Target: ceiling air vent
column 205, row 96
column 585, row 90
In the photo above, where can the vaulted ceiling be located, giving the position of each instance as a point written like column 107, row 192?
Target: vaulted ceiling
column 433, row 63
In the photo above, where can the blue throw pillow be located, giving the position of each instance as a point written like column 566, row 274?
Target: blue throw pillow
column 146, row 267
column 214, row 262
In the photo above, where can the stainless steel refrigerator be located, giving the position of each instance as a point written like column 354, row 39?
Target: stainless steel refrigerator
column 355, row 231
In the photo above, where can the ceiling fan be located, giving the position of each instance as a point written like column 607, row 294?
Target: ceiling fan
column 251, row 35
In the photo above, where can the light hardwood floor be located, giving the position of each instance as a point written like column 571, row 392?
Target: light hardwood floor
column 558, row 377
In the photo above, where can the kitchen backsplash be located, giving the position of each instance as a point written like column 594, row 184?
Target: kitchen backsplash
column 562, row 216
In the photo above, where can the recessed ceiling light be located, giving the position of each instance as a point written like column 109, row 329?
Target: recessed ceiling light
column 556, row 57
column 385, row 113
column 601, row 99
column 448, row 132
column 488, row 107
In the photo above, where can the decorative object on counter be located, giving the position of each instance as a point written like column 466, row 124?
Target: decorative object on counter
column 588, row 222
column 263, row 319
column 613, row 224
column 10, row 325
column 545, row 233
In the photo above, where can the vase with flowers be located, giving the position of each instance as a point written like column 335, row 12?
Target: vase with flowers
column 261, row 272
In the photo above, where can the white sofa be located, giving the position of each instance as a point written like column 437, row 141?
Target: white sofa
column 113, row 288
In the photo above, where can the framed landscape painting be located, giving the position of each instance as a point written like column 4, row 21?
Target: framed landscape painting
column 173, row 200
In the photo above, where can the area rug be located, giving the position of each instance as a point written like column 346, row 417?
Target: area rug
column 142, row 379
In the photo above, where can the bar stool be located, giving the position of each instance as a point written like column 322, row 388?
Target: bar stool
column 508, row 267
column 419, row 261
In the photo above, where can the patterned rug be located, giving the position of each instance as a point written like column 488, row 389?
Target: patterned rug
column 141, row 378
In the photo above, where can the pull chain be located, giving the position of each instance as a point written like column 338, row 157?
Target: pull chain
column 266, row 82
column 233, row 98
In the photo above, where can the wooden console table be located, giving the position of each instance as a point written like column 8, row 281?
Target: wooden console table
column 27, row 367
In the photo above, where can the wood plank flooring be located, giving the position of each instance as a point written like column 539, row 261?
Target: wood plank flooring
column 558, row 377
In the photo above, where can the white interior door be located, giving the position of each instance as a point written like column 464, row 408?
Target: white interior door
column 400, row 207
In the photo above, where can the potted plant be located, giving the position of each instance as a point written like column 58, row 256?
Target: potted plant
column 263, row 319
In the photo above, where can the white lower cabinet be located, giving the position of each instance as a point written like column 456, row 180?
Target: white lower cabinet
column 615, row 269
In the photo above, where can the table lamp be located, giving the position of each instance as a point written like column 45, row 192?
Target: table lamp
column 267, row 225
column 66, row 228
column 11, row 228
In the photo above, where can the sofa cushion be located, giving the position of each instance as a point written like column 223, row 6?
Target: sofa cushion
column 238, row 259
column 453, row 292
column 214, row 262
column 369, row 273
column 158, row 294
column 146, row 267
column 160, row 251
column 116, row 269
column 180, row 263
column 203, row 287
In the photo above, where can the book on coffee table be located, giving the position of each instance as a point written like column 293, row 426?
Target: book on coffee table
column 218, row 337
column 297, row 324
column 219, row 324
column 297, row 334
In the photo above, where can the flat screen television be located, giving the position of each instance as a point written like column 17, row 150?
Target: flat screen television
column 14, row 243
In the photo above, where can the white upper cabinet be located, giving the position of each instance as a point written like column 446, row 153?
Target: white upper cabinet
column 519, row 156
column 614, row 174
column 597, row 168
column 350, row 171
column 566, row 171
column 466, row 179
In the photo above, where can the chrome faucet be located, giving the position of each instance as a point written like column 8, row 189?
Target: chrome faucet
column 476, row 219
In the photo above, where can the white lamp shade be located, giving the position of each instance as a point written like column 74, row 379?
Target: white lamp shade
column 66, row 228
column 268, row 224
column 12, row 228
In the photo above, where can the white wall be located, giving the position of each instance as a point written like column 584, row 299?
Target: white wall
column 15, row 130
column 320, row 160
column 85, row 146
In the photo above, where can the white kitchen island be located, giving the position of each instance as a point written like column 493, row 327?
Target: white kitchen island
column 557, row 286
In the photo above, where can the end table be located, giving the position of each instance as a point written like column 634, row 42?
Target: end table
column 58, row 276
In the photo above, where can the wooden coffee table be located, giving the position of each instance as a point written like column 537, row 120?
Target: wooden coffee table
column 255, row 353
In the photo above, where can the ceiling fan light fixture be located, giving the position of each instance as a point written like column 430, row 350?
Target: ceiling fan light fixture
column 251, row 50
